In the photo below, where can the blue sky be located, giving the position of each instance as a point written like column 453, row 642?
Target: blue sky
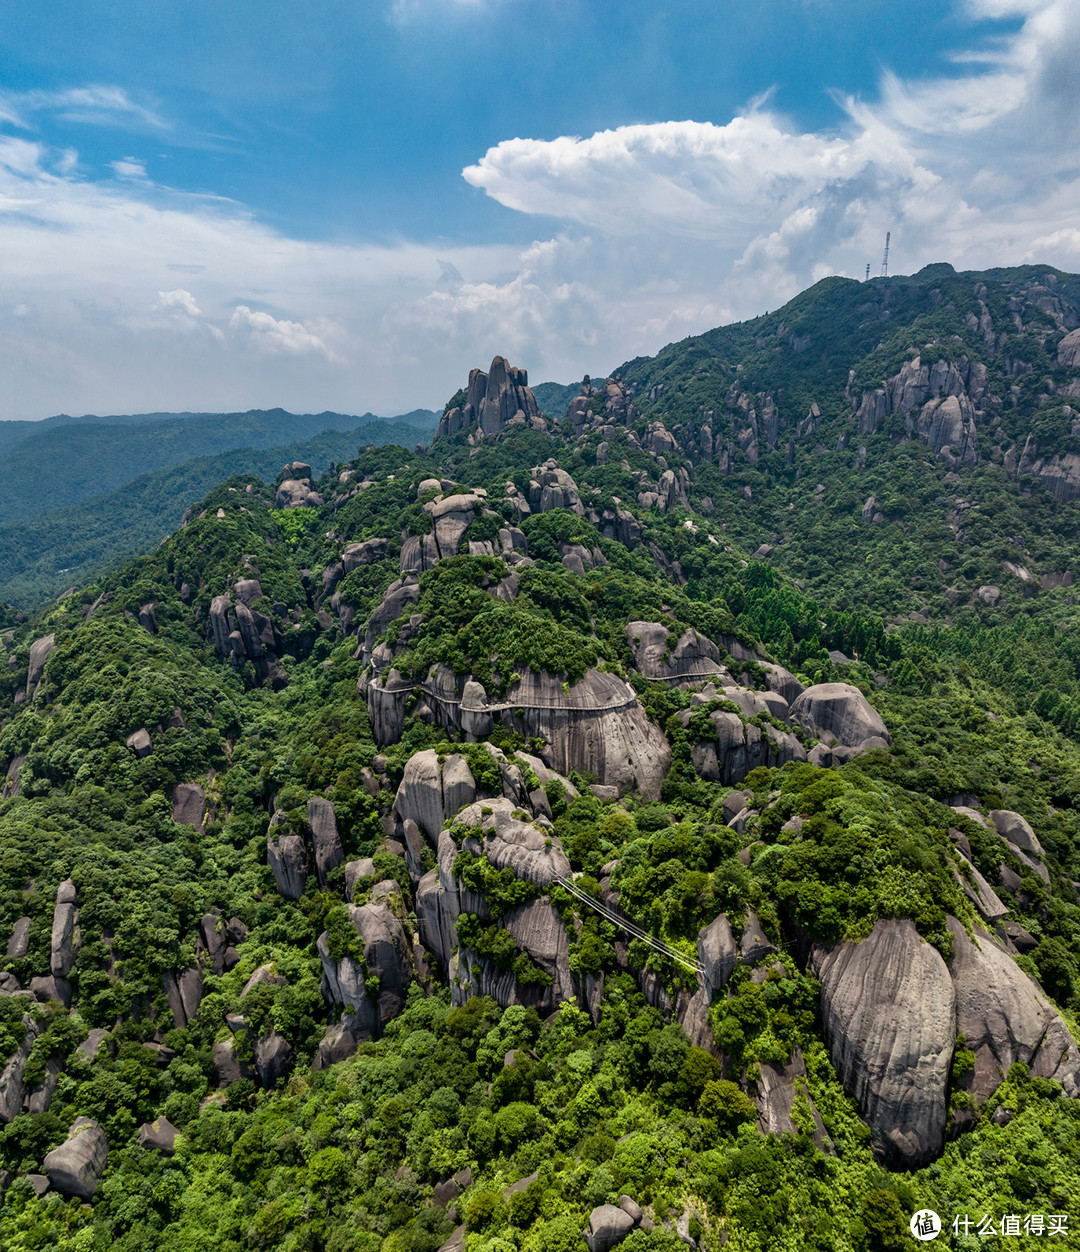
column 347, row 205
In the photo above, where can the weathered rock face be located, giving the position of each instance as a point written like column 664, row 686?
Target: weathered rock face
column 387, row 957
column 889, row 1012
column 65, row 932
column 19, row 943
column 295, row 493
column 140, row 743
column 40, row 651
column 947, row 426
column 717, row 954
column 158, row 1136
column 11, row 1077
column 782, row 681
column 739, row 748
column 551, row 487
column 189, row 805
column 325, row 839
column 76, row 1166
column 273, row 1058
column 608, row 1226
column 596, row 727
column 430, row 793
column 497, row 399
column 288, row 859
column 776, row 1095
column 1015, row 830
column 838, row 711
column 184, row 993
column 1005, row 1018
column 659, row 657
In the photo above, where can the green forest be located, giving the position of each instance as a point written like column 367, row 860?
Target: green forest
column 293, row 803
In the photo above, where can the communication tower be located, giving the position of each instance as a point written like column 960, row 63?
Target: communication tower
column 885, row 258
column 867, row 278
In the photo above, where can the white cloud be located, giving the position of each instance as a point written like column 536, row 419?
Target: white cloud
column 94, row 105
column 645, row 234
column 274, row 335
column 129, row 167
column 181, row 300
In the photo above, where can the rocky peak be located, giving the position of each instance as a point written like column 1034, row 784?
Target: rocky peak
column 495, row 400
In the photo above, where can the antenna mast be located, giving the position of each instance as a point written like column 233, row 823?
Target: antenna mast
column 885, row 258
column 867, row 278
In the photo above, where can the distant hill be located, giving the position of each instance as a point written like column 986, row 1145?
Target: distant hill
column 41, row 557
column 554, row 397
column 89, row 456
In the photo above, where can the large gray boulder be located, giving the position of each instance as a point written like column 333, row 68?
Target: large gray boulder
column 184, row 993
column 738, row 747
column 689, row 658
column 431, row 793
column 387, row 956
column 287, row 857
column 838, row 711
column 1016, row 830
column 189, row 805
column 329, row 853
column 888, row 1008
column 1005, row 1017
column 608, row 1225
column 37, row 1099
column 65, row 934
column 40, row 651
column 12, row 1090
column 717, row 954
column 19, row 943
column 596, row 726
column 76, row 1166
column 273, row 1058
column 366, row 553
column 158, row 1136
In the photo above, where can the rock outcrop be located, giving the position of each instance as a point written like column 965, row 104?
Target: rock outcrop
column 184, row 993
column 158, row 1136
column 325, row 839
column 12, row 1091
column 76, row 1166
column 40, row 651
column 287, row 856
column 608, row 1226
column 387, row 957
column 65, row 931
column 889, row 1012
column 689, row 658
column 737, row 747
column 1004, row 1017
column 839, row 711
column 189, row 805
column 498, row 399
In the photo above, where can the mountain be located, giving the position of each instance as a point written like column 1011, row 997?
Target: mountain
column 56, row 550
column 582, row 829
column 88, row 457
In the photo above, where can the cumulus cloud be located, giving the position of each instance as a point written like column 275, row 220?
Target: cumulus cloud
column 274, row 335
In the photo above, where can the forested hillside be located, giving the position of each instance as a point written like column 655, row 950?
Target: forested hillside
column 653, row 827
column 59, row 549
column 89, row 457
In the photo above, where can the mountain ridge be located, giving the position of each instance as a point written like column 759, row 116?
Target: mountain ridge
column 290, row 800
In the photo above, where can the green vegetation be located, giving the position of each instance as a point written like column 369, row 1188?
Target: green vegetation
column 584, row 1101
